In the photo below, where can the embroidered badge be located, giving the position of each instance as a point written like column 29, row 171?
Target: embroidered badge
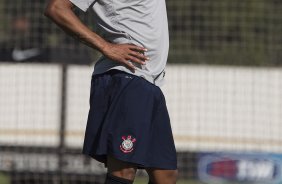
column 127, row 144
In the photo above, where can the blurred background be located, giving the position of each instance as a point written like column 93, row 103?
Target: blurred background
column 223, row 90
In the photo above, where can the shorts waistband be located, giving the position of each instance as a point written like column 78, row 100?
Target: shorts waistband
column 157, row 80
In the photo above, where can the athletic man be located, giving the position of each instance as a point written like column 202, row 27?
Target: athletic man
column 128, row 125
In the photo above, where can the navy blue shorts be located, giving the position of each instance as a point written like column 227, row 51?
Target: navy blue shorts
column 128, row 119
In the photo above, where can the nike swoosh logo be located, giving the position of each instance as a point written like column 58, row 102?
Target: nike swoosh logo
column 20, row 55
column 128, row 77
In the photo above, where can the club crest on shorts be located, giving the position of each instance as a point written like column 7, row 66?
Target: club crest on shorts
column 127, row 144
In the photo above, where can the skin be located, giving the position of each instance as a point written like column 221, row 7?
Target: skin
column 61, row 12
column 128, row 171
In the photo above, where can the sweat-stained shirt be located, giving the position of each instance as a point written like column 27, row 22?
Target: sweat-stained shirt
column 140, row 22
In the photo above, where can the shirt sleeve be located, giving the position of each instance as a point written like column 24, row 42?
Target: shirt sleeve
column 82, row 4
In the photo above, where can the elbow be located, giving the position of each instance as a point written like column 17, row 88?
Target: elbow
column 53, row 10
column 50, row 11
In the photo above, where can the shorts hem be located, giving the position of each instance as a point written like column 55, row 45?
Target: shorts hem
column 140, row 165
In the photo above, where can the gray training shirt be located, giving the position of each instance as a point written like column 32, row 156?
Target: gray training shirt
column 139, row 22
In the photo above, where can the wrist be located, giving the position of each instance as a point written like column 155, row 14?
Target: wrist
column 104, row 47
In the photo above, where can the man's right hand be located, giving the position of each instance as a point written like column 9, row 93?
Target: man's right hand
column 125, row 54
column 61, row 12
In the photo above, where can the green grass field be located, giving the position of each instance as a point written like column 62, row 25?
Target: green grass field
column 4, row 179
column 139, row 180
column 145, row 181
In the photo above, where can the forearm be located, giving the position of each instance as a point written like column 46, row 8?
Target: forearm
column 60, row 11
column 62, row 14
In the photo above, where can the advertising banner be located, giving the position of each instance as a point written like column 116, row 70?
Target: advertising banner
column 258, row 168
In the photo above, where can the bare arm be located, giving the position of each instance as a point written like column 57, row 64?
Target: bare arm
column 61, row 12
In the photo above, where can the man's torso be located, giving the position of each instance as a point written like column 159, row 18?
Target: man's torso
column 139, row 22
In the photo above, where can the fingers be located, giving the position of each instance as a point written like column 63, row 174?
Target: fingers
column 136, row 60
column 136, row 55
column 137, row 48
column 127, row 54
column 139, row 56
column 129, row 65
